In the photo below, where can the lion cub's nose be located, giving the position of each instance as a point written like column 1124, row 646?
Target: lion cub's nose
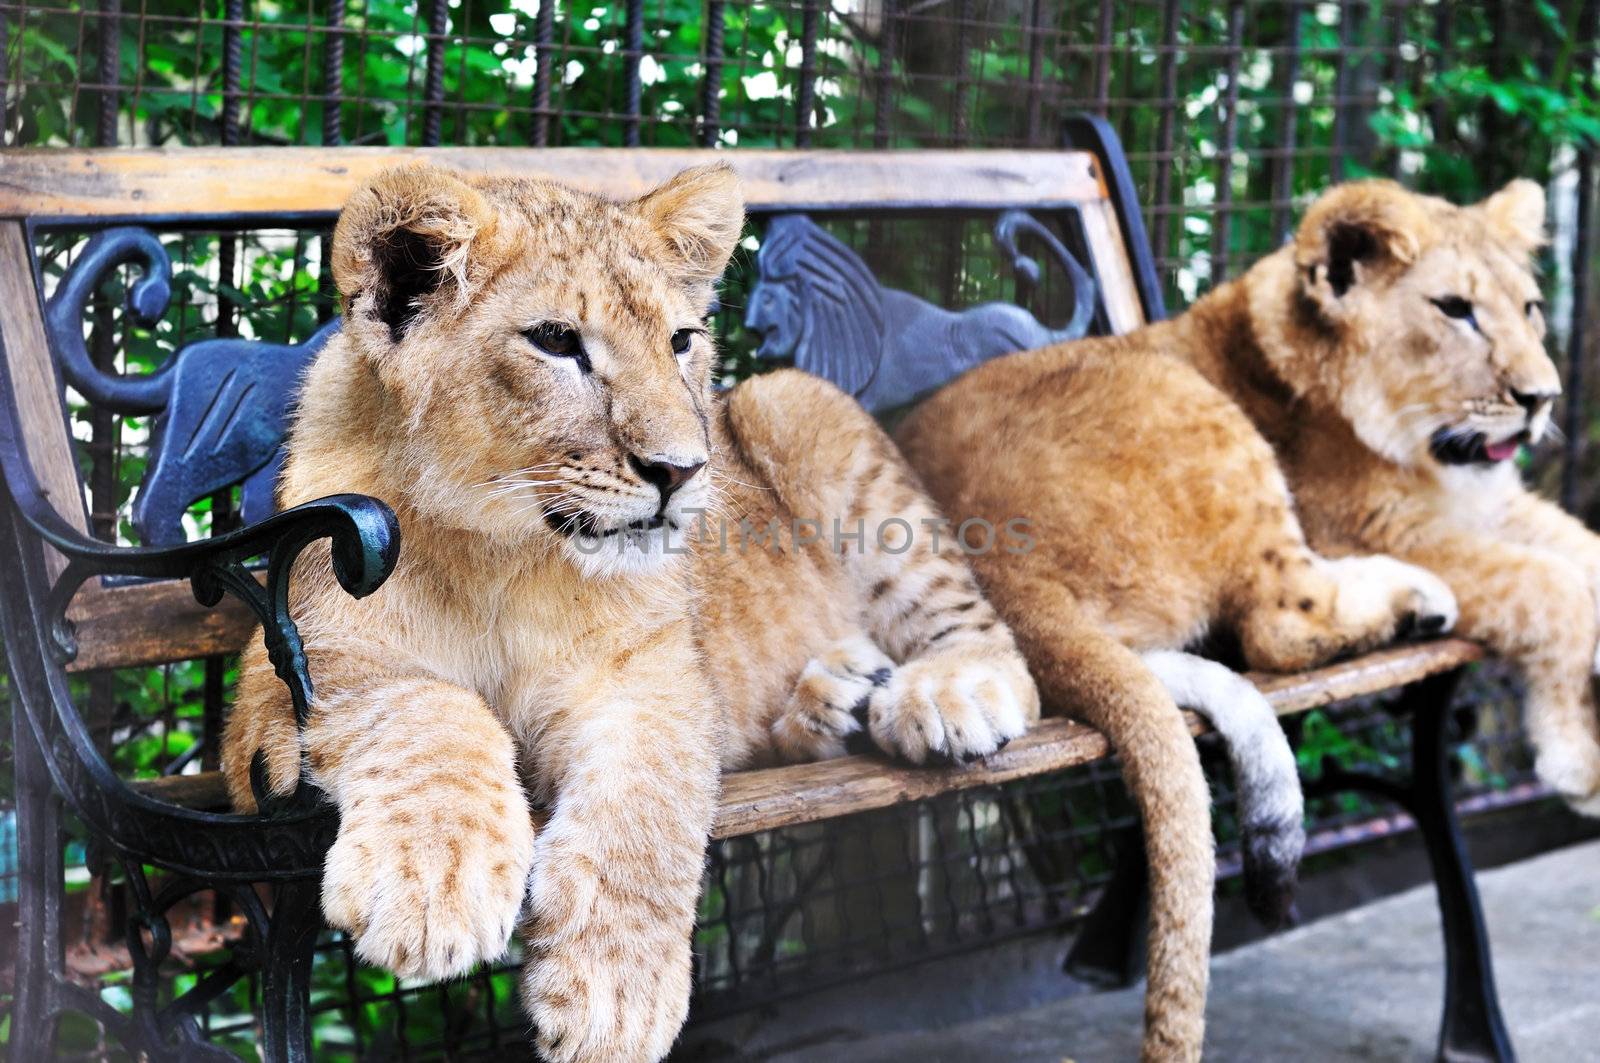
column 1532, row 400
column 664, row 475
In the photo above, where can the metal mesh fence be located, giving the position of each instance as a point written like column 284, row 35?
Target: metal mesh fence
column 1233, row 114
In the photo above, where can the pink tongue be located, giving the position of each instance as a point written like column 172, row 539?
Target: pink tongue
column 1501, row 451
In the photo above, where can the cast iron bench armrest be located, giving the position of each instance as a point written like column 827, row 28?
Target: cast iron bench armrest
column 365, row 545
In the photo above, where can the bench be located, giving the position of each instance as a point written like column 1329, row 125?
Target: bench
column 75, row 604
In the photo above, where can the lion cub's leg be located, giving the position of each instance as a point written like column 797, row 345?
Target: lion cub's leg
column 1536, row 608
column 1301, row 610
column 430, row 865
column 632, row 766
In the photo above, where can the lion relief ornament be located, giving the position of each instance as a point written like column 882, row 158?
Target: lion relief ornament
column 817, row 303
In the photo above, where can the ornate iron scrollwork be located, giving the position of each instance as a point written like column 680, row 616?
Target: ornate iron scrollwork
column 817, row 302
column 222, row 405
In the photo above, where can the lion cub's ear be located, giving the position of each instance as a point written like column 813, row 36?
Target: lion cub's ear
column 409, row 234
column 1515, row 215
column 700, row 214
column 1352, row 231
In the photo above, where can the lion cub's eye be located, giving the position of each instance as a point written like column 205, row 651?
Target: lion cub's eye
column 1453, row 306
column 559, row 341
column 681, row 340
column 1533, row 307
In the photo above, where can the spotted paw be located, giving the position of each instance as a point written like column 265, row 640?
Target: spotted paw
column 429, row 888
column 950, row 708
column 824, row 715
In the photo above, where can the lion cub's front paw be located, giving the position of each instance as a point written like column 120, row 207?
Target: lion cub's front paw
column 604, row 982
column 950, row 707
column 1393, row 598
column 823, row 716
column 1428, row 604
column 1573, row 771
column 429, row 889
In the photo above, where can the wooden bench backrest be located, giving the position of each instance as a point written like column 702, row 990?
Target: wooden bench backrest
column 144, row 624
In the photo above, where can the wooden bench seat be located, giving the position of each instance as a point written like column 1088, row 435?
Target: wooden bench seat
column 767, row 798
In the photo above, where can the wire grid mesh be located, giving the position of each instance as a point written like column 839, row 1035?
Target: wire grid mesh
column 1233, row 114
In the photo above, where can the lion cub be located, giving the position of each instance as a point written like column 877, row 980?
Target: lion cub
column 1161, row 516
column 1394, row 355
column 524, row 376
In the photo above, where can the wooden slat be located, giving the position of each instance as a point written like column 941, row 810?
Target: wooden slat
column 204, row 182
column 1112, row 267
column 34, row 386
column 153, row 623
column 806, row 793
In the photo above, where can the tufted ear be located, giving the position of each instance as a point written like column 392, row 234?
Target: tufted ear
column 409, row 234
column 1353, row 230
column 1515, row 214
column 700, row 214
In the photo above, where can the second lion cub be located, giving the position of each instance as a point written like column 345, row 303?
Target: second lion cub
column 1161, row 515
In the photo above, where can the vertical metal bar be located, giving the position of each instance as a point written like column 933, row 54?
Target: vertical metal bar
column 1161, row 212
column 5, row 77
column 961, row 104
column 1582, row 250
column 1574, row 422
column 1035, row 72
column 885, row 75
column 544, row 28
column 711, row 89
column 1288, row 129
column 632, row 52
column 806, row 97
column 100, row 700
column 1222, row 231
column 1393, row 68
column 1490, row 157
column 332, row 133
column 433, row 79
column 227, row 252
column 333, row 73
column 1341, row 87
column 1102, row 60
column 232, row 43
column 110, row 71
column 1445, row 31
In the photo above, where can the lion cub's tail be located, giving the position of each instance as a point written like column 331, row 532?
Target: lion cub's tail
column 1082, row 670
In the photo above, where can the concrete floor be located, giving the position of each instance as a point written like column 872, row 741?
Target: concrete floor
column 1365, row 985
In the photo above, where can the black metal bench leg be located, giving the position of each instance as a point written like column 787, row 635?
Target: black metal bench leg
column 39, row 897
column 286, row 975
column 1472, row 1028
column 1110, row 949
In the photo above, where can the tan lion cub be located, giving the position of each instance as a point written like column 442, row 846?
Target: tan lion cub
column 1394, row 355
column 1161, row 516
column 524, row 376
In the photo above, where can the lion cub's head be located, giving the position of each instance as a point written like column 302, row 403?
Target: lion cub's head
column 1427, row 324
column 539, row 355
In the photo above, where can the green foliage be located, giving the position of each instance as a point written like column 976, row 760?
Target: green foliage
column 1494, row 110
